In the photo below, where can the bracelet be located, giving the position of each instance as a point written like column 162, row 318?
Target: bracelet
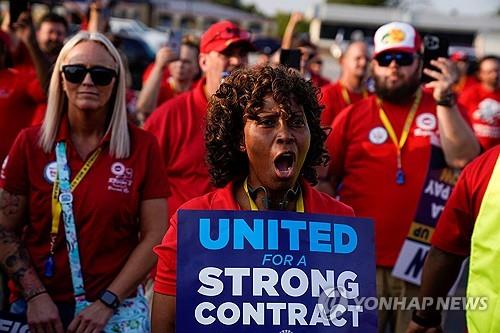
column 434, row 320
column 447, row 101
column 34, row 293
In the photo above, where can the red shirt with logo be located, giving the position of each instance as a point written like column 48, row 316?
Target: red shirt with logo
column 179, row 126
column 334, row 101
column 483, row 108
column 106, row 206
column 454, row 229
column 20, row 94
column 364, row 164
column 223, row 199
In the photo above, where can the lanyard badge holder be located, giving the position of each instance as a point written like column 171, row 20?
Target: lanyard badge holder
column 62, row 201
column 400, row 175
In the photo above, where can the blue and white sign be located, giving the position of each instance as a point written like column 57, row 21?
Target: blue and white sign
column 245, row 271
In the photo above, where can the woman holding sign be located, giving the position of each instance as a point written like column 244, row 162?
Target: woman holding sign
column 263, row 141
column 82, row 201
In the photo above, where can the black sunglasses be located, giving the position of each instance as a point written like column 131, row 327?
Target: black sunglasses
column 101, row 76
column 401, row 58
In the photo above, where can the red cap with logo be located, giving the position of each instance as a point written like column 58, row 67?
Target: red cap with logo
column 223, row 34
column 397, row 36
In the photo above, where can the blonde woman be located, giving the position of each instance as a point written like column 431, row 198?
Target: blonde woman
column 82, row 199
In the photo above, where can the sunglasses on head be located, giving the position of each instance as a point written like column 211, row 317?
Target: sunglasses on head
column 401, row 58
column 101, row 76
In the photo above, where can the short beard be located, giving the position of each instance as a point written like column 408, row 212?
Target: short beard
column 399, row 95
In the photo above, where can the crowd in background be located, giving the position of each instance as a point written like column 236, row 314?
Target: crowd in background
column 382, row 125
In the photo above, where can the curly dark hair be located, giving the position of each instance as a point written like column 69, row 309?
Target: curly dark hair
column 242, row 95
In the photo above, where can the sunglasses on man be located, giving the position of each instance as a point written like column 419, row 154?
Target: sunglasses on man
column 401, row 58
column 101, row 76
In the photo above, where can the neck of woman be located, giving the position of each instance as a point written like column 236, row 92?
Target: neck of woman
column 87, row 130
column 267, row 199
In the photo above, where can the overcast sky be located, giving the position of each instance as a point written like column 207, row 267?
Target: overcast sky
column 467, row 7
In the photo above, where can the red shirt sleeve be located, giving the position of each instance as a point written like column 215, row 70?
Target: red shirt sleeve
column 456, row 224
column 454, row 229
column 14, row 174
column 165, row 280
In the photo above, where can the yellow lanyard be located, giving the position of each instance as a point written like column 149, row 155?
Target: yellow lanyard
column 300, row 201
column 345, row 94
column 56, row 205
column 404, row 134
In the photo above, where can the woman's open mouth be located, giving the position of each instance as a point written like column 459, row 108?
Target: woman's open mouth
column 284, row 164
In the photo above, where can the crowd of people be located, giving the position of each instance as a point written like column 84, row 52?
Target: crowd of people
column 90, row 184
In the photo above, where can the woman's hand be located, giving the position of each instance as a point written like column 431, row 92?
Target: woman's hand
column 43, row 315
column 93, row 319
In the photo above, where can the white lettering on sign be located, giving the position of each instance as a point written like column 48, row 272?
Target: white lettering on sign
column 438, row 190
column 436, row 210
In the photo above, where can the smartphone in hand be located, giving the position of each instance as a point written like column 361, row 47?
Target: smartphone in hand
column 434, row 47
column 174, row 42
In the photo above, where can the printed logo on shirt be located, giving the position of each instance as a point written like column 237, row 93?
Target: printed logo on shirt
column 122, row 178
column 50, row 172
column 488, row 111
column 378, row 135
column 426, row 121
column 4, row 166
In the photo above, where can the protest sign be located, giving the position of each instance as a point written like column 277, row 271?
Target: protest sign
column 249, row 271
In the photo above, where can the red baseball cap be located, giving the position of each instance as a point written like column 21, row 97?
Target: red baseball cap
column 221, row 35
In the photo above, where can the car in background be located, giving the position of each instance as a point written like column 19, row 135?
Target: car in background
column 134, row 28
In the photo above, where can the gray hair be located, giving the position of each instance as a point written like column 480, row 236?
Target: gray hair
column 118, row 128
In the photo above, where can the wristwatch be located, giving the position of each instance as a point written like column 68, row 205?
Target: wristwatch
column 448, row 100
column 109, row 299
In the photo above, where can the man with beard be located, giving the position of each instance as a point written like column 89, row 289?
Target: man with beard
column 350, row 88
column 383, row 147
column 179, row 123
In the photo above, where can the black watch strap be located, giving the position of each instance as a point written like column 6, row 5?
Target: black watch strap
column 433, row 320
column 109, row 299
column 448, row 101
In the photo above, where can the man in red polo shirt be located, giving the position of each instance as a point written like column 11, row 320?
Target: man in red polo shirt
column 179, row 123
column 350, row 87
column 382, row 148
column 482, row 102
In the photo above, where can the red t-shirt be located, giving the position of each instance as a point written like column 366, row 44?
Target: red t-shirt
column 454, row 229
column 363, row 162
column 106, row 206
column 20, row 94
column 483, row 108
column 179, row 126
column 334, row 101
column 223, row 199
